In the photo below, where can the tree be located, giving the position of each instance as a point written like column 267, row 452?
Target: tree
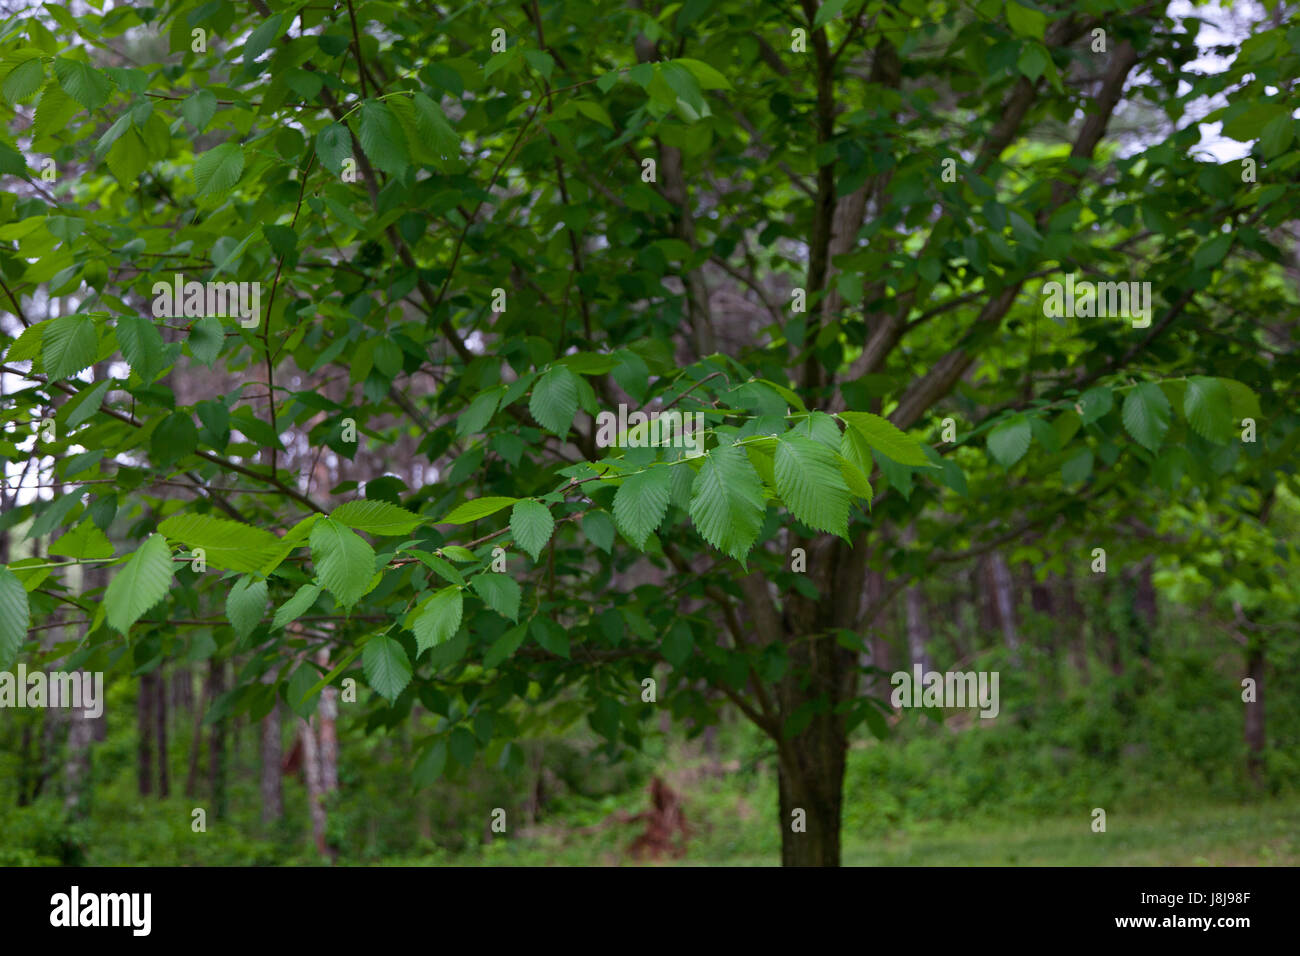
column 433, row 252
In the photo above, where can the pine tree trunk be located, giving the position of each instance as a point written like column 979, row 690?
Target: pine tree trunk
column 217, row 742
column 918, row 629
column 315, row 791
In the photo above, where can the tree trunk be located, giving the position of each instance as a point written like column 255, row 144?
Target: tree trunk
column 144, row 735
column 196, row 746
column 160, row 718
column 217, row 742
column 1004, row 602
column 1255, row 730
column 76, row 769
column 918, row 629
column 315, row 792
column 272, row 791
column 327, row 718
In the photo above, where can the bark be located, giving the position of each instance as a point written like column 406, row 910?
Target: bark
column 76, row 768
column 160, row 719
column 272, row 789
column 315, row 790
column 196, row 746
column 918, row 629
column 1004, row 602
column 1254, row 725
column 217, row 743
column 327, row 717
column 144, row 734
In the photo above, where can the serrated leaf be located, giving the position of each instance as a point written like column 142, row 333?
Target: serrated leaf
column 83, row 83
column 217, row 170
column 531, row 525
column 599, row 529
column 15, row 616
column 141, row 345
column 83, row 541
column 199, row 109
column 344, row 562
column 886, row 437
column 727, row 501
column 1208, row 408
column 23, row 81
column 245, row 605
column 1077, row 467
column 1146, row 415
column 1009, row 441
column 333, row 145
column 810, row 482
column 432, row 124
column 440, row 619
column 142, row 583
column 470, row 511
column 229, row 545
column 475, row 418
column 376, row 517
column 641, row 503
column 500, row 592
column 381, row 137
column 555, row 400
column 1095, row 403
column 69, row 345
column 291, row 609
column 386, row 666
column 1026, row 22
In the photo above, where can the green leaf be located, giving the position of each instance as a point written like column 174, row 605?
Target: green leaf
column 245, row 604
column 431, row 122
column 217, row 170
column 470, row 511
column 475, row 418
column 1077, row 467
column 141, row 345
column 333, row 145
column 83, row 83
column 1009, row 441
column 83, row 541
column 1026, row 22
column 382, row 138
column 555, row 400
column 705, row 75
column 15, row 616
column 199, row 109
column 301, row 601
column 641, row 503
column 376, row 517
column 69, row 345
column 229, row 545
column 1208, row 408
column 206, row 338
column 810, row 482
column 128, row 158
column 260, row 39
column 1095, row 403
column 386, row 666
column 23, row 80
column 531, row 525
column 884, row 436
column 599, row 529
column 500, row 592
column 440, row 619
column 727, row 501
column 345, row 564
column 142, row 583
column 1146, row 415
column 1212, row 252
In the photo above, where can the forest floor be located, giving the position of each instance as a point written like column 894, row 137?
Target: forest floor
column 1265, row 834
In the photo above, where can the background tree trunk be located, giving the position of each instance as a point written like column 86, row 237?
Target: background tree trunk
column 272, row 775
column 1255, row 731
column 144, row 734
